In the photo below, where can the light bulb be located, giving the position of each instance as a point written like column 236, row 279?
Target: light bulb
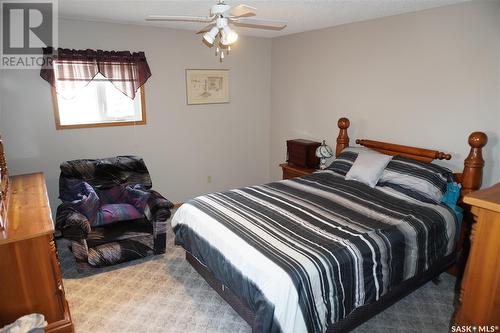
column 217, row 50
column 228, row 49
column 210, row 36
column 229, row 36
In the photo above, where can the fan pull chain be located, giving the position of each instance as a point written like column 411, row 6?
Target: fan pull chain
column 221, row 50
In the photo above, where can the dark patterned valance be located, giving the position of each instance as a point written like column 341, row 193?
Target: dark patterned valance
column 69, row 70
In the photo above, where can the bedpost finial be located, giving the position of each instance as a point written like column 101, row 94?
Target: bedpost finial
column 343, row 138
column 343, row 123
column 443, row 156
column 478, row 139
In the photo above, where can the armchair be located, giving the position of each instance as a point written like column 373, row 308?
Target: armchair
column 109, row 211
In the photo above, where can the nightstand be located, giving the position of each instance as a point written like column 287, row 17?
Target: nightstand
column 479, row 302
column 292, row 171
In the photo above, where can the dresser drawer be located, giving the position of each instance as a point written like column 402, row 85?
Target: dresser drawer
column 31, row 283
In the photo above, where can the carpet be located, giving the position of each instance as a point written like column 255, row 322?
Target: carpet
column 165, row 294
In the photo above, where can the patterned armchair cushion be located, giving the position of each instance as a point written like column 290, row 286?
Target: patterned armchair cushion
column 86, row 201
column 110, row 213
column 112, row 195
column 135, row 195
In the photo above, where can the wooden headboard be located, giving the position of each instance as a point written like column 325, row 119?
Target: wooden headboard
column 470, row 177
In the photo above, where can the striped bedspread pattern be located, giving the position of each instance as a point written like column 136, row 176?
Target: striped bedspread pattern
column 342, row 243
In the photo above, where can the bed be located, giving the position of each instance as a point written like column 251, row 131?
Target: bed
column 320, row 253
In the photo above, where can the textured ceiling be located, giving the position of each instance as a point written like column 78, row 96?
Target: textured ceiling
column 301, row 15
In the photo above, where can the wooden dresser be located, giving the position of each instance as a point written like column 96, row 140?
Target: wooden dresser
column 30, row 278
column 479, row 303
column 292, row 171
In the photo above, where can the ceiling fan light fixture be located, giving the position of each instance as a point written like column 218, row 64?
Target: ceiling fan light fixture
column 218, row 32
column 210, row 36
column 229, row 36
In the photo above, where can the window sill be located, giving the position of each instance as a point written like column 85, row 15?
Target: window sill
column 110, row 124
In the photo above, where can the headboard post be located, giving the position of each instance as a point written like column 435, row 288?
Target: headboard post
column 343, row 138
column 472, row 175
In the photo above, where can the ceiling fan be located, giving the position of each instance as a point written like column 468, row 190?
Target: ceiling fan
column 218, row 31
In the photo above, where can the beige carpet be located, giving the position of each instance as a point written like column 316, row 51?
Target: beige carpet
column 164, row 294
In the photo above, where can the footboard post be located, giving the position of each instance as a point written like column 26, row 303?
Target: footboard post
column 343, row 138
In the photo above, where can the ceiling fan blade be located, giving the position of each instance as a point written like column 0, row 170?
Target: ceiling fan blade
column 259, row 24
column 180, row 18
column 242, row 11
column 205, row 29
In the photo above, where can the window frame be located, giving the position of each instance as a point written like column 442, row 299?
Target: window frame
column 55, row 108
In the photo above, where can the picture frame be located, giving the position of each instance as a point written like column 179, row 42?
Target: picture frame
column 207, row 86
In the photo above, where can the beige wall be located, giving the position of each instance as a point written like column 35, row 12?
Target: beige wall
column 426, row 79
column 181, row 144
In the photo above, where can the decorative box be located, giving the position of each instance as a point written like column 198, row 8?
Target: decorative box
column 301, row 152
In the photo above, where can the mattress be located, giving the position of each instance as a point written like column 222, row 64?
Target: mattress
column 304, row 253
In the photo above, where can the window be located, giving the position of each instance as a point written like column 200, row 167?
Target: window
column 99, row 103
column 93, row 88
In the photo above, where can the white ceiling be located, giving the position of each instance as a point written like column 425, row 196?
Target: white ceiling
column 301, row 15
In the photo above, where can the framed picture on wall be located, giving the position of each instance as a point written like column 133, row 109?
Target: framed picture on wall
column 207, row 86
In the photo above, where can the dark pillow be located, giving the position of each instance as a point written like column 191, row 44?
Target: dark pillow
column 417, row 179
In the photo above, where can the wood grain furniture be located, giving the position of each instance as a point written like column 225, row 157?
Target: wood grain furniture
column 302, row 153
column 30, row 277
column 470, row 178
column 479, row 301
column 292, row 171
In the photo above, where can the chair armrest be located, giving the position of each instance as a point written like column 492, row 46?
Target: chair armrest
column 157, row 208
column 72, row 224
column 157, row 211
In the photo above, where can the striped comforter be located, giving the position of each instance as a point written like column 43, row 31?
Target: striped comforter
column 306, row 252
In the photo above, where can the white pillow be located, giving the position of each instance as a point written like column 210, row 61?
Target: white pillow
column 368, row 167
